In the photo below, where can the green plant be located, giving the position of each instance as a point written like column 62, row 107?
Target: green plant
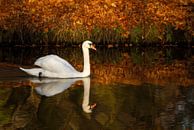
column 136, row 35
column 152, row 34
column 169, row 34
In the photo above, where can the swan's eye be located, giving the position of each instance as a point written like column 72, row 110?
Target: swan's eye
column 90, row 44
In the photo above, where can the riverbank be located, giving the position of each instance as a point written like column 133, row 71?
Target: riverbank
column 46, row 22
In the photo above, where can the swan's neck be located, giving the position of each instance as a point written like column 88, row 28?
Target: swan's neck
column 85, row 103
column 86, row 69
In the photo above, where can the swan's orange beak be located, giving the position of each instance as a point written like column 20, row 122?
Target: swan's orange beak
column 93, row 47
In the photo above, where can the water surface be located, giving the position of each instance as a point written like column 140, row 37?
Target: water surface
column 124, row 99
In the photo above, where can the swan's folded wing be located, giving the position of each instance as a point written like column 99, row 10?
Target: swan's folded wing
column 53, row 63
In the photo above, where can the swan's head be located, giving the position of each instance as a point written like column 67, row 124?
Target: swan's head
column 88, row 108
column 89, row 45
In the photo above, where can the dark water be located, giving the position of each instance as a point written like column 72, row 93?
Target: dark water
column 28, row 103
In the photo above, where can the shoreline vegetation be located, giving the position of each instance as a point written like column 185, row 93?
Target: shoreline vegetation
column 109, row 22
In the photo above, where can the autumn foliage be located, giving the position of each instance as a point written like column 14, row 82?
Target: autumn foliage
column 99, row 20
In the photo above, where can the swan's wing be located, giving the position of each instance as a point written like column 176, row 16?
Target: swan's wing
column 54, row 63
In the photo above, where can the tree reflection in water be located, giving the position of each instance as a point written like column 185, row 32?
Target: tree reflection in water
column 130, row 96
column 120, row 106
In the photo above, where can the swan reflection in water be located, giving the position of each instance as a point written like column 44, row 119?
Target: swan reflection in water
column 51, row 87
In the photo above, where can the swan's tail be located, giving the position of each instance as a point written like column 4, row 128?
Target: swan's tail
column 33, row 71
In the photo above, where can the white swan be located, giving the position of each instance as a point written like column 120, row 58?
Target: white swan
column 53, row 66
column 51, row 87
